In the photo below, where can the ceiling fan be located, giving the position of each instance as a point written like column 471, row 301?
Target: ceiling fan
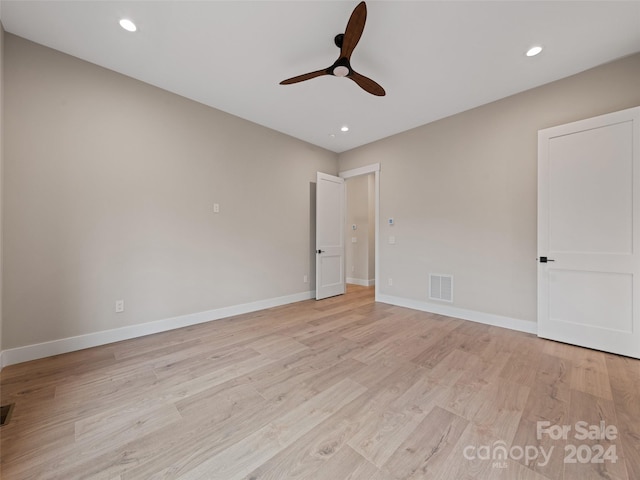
column 346, row 42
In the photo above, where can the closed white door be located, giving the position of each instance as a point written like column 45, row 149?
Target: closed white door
column 589, row 233
column 330, row 211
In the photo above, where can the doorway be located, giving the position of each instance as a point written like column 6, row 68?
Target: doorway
column 367, row 184
column 360, row 230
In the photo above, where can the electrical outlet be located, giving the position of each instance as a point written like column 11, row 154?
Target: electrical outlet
column 119, row 306
column 391, row 282
column 305, row 279
column 216, row 208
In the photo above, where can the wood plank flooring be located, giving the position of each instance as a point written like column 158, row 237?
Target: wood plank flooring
column 340, row 389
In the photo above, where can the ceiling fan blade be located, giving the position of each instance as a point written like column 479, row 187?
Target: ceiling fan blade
column 354, row 30
column 367, row 84
column 306, row 76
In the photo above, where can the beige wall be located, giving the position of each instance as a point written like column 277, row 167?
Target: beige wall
column 109, row 185
column 462, row 191
column 109, row 192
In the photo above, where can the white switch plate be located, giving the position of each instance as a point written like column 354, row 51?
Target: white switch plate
column 305, row 279
column 392, row 240
column 354, row 239
column 216, row 208
column 119, row 306
column 391, row 282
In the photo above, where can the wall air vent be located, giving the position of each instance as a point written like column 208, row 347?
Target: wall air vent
column 441, row 287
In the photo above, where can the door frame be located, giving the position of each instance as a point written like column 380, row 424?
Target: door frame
column 366, row 170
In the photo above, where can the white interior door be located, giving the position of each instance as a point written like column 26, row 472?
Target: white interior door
column 330, row 211
column 589, row 233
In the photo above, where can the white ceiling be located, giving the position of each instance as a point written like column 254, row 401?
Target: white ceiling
column 434, row 59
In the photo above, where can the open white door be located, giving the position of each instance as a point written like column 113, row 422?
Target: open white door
column 589, row 233
column 330, row 202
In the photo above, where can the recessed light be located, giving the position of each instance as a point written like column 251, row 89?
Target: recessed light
column 344, row 129
column 533, row 51
column 128, row 25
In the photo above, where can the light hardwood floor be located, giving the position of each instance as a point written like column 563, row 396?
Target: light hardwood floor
column 341, row 389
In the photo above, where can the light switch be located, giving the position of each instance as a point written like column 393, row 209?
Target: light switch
column 354, row 239
column 392, row 240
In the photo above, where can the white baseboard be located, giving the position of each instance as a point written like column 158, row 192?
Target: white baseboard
column 65, row 345
column 362, row 282
column 472, row 315
column 71, row 344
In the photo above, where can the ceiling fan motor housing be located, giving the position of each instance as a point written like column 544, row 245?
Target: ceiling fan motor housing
column 341, row 68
